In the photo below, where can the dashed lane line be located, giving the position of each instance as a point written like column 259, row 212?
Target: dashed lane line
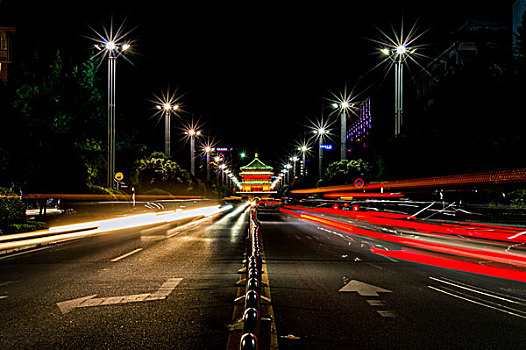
column 126, row 255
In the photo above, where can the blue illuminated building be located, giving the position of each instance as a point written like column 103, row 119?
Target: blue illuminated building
column 359, row 131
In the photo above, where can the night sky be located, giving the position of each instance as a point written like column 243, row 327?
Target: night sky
column 254, row 72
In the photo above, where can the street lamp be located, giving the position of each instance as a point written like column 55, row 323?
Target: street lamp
column 227, row 177
column 112, row 49
column 398, row 55
column 294, row 160
column 320, row 133
column 166, row 108
column 303, row 149
column 207, row 150
column 343, row 106
column 287, row 169
column 192, row 133
column 222, row 167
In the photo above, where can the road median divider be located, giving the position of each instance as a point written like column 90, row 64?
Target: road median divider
column 253, row 325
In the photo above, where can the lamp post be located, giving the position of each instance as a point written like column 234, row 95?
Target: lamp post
column 398, row 55
column 227, row 178
column 113, row 51
column 167, row 108
column 192, row 134
column 216, row 160
column 320, row 132
column 303, row 150
column 222, row 167
column 207, row 152
column 294, row 160
column 343, row 106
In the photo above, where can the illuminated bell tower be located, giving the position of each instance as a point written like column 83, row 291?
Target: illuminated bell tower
column 256, row 177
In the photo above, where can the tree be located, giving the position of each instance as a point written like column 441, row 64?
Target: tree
column 58, row 109
column 157, row 171
column 345, row 172
column 520, row 46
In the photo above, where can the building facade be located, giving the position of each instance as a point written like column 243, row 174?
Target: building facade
column 6, row 50
column 474, row 38
column 256, row 177
column 358, row 133
column 519, row 7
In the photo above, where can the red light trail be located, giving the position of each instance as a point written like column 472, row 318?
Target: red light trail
column 450, row 246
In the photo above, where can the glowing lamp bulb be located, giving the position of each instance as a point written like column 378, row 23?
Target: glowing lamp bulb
column 110, row 45
column 191, row 132
column 400, row 49
column 125, row 47
column 385, row 51
column 167, row 106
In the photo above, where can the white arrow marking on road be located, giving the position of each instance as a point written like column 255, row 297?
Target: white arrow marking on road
column 364, row 289
column 90, row 300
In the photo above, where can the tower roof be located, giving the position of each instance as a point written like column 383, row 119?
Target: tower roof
column 256, row 164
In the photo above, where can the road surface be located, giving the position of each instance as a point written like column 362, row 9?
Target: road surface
column 163, row 288
column 330, row 292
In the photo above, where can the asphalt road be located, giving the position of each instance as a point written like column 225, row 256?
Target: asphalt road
column 320, row 279
column 173, row 287
column 169, row 287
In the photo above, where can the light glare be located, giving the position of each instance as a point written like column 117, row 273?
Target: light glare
column 400, row 49
column 110, row 45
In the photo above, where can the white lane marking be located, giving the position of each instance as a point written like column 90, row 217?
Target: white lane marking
column 6, row 283
column 90, row 300
column 479, row 291
column 517, row 235
column 375, row 266
column 24, row 252
column 420, row 211
column 478, row 302
column 389, row 258
column 126, row 255
column 364, row 289
column 3, row 297
column 375, row 302
column 386, row 313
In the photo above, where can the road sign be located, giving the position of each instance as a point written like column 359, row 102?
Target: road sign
column 119, row 176
column 359, row 183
